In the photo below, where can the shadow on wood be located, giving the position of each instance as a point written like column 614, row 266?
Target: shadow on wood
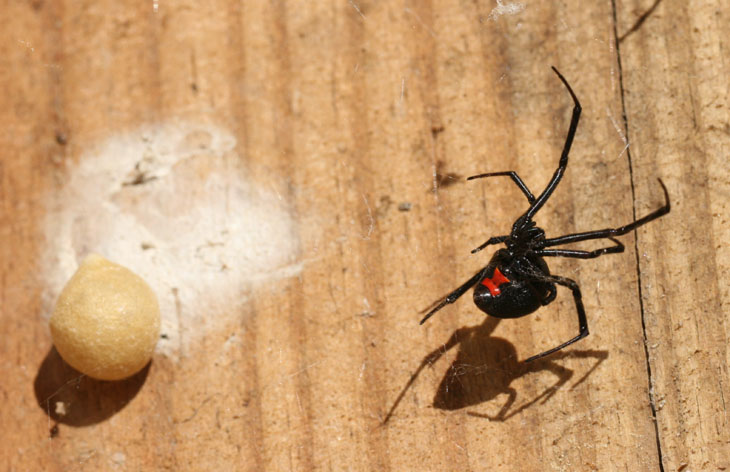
column 484, row 368
column 72, row 398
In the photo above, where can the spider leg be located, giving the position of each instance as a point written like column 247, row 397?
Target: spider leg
column 582, row 321
column 453, row 296
column 513, row 175
column 490, row 241
column 552, row 293
column 619, row 247
column 546, row 299
column 555, row 180
column 607, row 233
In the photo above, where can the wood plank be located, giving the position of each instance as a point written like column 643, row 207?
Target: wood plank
column 676, row 88
column 289, row 177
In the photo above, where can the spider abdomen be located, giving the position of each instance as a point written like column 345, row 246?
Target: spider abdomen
column 501, row 295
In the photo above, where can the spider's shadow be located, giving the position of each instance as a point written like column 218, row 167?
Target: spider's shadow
column 484, row 368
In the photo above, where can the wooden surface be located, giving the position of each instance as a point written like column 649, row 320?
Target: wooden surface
column 347, row 110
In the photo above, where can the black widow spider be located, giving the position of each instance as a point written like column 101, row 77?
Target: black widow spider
column 517, row 281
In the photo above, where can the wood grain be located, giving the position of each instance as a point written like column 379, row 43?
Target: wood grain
column 355, row 111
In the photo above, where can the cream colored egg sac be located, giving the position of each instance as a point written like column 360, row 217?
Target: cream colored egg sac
column 107, row 320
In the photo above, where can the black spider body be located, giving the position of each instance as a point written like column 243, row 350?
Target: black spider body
column 503, row 293
column 517, row 281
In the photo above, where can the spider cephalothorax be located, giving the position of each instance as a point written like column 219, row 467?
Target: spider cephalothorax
column 517, row 281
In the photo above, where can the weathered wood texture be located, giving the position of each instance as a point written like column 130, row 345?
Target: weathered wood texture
column 348, row 109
